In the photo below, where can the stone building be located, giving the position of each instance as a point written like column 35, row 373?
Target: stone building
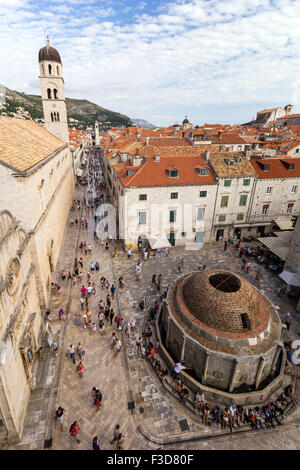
column 37, row 187
column 227, row 332
column 20, row 325
column 268, row 117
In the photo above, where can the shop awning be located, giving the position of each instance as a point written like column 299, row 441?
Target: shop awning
column 279, row 245
column 283, row 223
column 292, row 279
column 157, row 243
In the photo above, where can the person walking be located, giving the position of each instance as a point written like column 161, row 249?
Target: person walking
column 287, row 320
column 74, row 430
column 71, row 352
column 54, row 346
column 118, row 345
column 116, row 434
column 225, row 245
column 120, row 442
column 59, row 416
column 79, row 369
column 96, row 443
column 61, row 315
column 80, row 350
column 112, row 291
column 106, row 313
column 111, row 315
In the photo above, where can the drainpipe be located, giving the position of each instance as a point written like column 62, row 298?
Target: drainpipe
column 215, row 205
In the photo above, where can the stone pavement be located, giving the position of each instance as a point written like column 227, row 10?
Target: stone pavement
column 127, row 379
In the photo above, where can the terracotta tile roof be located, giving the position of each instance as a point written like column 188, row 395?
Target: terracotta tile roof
column 289, row 116
column 153, row 173
column 218, row 161
column 169, row 141
column 24, row 143
column 228, row 138
column 277, row 167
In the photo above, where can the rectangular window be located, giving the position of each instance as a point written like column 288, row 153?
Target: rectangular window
column 240, row 217
column 243, row 199
column 266, row 167
column 245, row 321
column 269, row 189
column 203, row 171
column 227, row 183
column 173, row 173
column 291, row 166
column 174, row 195
column 222, row 218
column 142, row 218
column 143, row 197
column 203, row 193
column 173, row 215
column 265, row 208
column 294, row 189
column 42, row 199
column 246, row 182
column 199, row 237
column 224, row 201
column 290, row 207
column 200, row 213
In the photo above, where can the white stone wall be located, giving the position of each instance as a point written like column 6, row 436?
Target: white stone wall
column 233, row 208
column 157, row 207
column 278, row 200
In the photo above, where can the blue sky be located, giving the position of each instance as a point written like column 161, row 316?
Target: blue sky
column 218, row 61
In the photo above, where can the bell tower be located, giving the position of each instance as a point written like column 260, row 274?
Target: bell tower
column 53, row 93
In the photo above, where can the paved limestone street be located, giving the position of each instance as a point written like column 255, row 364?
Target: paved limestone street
column 127, row 380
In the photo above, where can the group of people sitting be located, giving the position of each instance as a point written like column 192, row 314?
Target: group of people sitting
column 233, row 416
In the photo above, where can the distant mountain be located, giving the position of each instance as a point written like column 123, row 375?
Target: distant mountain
column 143, row 124
column 81, row 113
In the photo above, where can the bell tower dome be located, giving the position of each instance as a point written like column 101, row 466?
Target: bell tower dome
column 53, row 93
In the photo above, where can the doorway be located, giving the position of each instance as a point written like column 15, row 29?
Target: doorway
column 220, row 234
column 171, row 238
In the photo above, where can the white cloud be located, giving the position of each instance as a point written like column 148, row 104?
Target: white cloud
column 186, row 56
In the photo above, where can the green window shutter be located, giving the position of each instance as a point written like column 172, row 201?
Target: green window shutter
column 143, row 197
column 203, row 193
column 200, row 213
column 142, row 218
column 246, row 182
column 243, row 200
column 222, row 218
column 240, row 217
column 227, row 183
column 224, row 201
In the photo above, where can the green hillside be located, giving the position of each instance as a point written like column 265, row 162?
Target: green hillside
column 83, row 111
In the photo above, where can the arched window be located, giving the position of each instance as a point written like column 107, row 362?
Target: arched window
column 52, row 118
column 57, row 69
column 43, row 70
column 58, row 116
column 55, row 93
column 50, row 68
column 49, row 93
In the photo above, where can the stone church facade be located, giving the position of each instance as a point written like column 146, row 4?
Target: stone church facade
column 37, row 187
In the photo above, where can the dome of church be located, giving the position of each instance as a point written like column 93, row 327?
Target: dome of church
column 185, row 121
column 224, row 301
column 49, row 53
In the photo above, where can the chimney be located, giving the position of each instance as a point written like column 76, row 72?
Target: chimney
column 206, row 155
column 147, row 140
column 157, row 157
